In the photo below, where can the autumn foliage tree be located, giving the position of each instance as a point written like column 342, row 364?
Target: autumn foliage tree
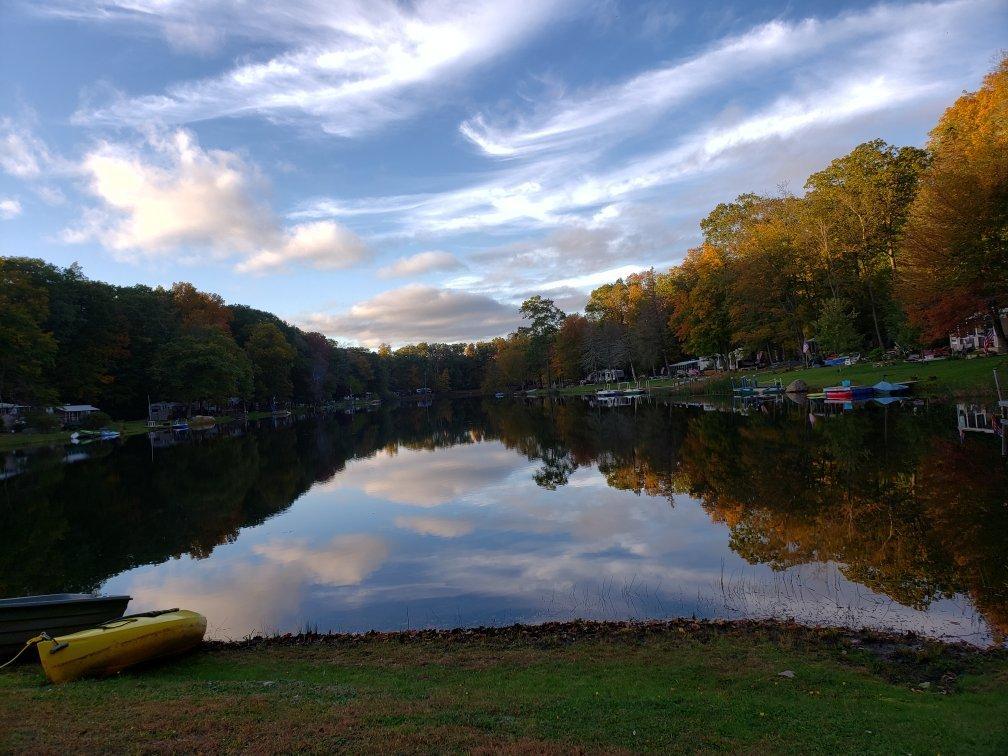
column 956, row 242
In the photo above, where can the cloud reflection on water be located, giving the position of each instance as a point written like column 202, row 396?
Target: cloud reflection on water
column 505, row 548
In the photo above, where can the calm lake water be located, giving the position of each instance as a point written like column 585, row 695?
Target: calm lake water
column 494, row 512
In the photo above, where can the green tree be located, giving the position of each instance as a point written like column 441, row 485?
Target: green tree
column 27, row 350
column 202, row 367
column 866, row 195
column 568, row 347
column 835, row 327
column 271, row 357
column 545, row 320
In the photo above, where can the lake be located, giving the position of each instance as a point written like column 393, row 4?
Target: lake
column 468, row 512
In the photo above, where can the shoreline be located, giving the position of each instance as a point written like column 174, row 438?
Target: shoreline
column 614, row 630
column 669, row 686
column 941, row 379
column 948, row 378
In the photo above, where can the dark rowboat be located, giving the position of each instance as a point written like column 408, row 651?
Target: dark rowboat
column 56, row 613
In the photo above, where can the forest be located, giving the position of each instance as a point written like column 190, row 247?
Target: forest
column 887, row 247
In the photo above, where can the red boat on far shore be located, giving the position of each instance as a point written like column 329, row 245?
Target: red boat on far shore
column 847, row 392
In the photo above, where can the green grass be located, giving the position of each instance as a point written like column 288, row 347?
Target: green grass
column 950, row 378
column 663, row 384
column 941, row 377
column 11, row 441
column 679, row 687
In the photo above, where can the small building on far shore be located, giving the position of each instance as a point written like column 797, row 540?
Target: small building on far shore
column 977, row 334
column 10, row 414
column 695, row 366
column 13, row 410
column 72, row 413
column 165, row 411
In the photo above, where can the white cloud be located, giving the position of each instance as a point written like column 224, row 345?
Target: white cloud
column 322, row 244
column 421, row 262
column 10, row 207
column 443, row 527
column 51, row 195
column 634, row 104
column 171, row 196
column 22, row 154
column 416, row 313
column 178, row 196
column 567, row 193
column 350, row 66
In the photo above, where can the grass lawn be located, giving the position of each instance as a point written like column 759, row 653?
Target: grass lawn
column 964, row 378
column 949, row 377
column 679, row 686
column 10, row 441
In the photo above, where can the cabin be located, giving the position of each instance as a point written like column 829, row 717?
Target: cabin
column 694, row 366
column 163, row 412
column 11, row 413
column 13, row 410
column 977, row 334
column 72, row 413
column 973, row 339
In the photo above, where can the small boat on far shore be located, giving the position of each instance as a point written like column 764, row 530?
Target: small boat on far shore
column 82, row 436
column 848, row 391
column 750, row 387
column 885, row 387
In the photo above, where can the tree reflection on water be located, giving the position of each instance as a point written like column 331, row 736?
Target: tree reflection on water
column 891, row 496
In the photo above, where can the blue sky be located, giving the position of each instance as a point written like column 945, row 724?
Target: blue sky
column 398, row 172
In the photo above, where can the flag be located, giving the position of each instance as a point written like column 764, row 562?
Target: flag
column 806, row 348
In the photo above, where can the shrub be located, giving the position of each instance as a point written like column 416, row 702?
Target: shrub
column 95, row 420
column 42, row 422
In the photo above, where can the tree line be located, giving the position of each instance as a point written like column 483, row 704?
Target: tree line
column 66, row 338
column 887, row 247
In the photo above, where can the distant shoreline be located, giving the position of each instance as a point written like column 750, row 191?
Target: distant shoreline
column 939, row 379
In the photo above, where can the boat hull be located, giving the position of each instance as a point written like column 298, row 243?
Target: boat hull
column 849, row 393
column 121, row 643
column 57, row 614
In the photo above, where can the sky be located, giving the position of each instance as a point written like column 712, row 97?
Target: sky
column 411, row 171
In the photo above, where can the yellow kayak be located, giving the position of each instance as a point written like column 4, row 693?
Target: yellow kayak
column 120, row 643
